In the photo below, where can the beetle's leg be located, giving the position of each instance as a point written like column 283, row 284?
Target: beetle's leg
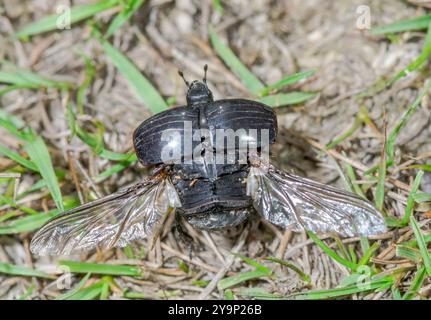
column 183, row 235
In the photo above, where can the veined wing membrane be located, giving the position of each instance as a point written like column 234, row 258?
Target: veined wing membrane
column 288, row 200
column 112, row 221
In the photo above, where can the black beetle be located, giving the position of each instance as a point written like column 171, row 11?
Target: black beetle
column 212, row 168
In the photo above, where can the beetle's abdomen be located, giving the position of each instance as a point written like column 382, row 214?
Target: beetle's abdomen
column 201, row 194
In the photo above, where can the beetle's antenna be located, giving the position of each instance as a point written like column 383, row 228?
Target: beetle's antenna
column 182, row 76
column 205, row 73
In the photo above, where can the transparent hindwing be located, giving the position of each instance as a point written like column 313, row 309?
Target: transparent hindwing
column 112, row 221
column 288, row 200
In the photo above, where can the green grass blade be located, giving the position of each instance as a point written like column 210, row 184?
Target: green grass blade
column 88, row 293
column 415, row 64
column 393, row 222
column 422, row 245
column 183, row 266
column 354, row 278
column 116, row 168
column 382, row 84
column 134, row 295
column 424, row 167
column 75, row 290
column 261, row 271
column 90, row 73
column 9, row 201
column 352, row 253
column 407, row 252
column 253, row 263
column 33, row 222
column 33, row 188
column 28, row 292
column 411, row 198
column 421, row 197
column 418, row 23
column 380, row 189
column 345, row 291
column 144, row 89
column 287, row 81
column 15, row 122
column 252, row 83
column 414, row 243
column 99, row 268
column 416, row 284
column 241, row 277
column 39, row 154
column 259, row 293
column 15, row 270
column 365, row 244
column 200, row 283
column 390, row 148
column 292, row 267
column 344, row 178
column 331, row 252
column 77, row 13
column 368, row 254
column 71, row 120
column 97, row 145
column 341, row 247
column 8, row 215
column 18, row 159
column 105, row 291
column 396, row 294
column 13, row 79
column 218, row 6
column 25, row 224
column 228, row 295
column 12, row 128
column 21, row 78
column 352, row 176
column 13, row 88
column 125, row 14
column 284, row 99
column 337, row 140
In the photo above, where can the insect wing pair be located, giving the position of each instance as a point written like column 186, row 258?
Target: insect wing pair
column 284, row 199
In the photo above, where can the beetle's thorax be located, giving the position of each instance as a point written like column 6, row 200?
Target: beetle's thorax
column 198, row 93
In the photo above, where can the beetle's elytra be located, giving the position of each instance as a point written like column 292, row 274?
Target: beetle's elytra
column 212, row 170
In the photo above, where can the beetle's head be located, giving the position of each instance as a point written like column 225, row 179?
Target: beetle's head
column 198, row 91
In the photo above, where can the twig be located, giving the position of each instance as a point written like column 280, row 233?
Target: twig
column 186, row 258
column 220, row 274
column 283, row 243
column 213, row 246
